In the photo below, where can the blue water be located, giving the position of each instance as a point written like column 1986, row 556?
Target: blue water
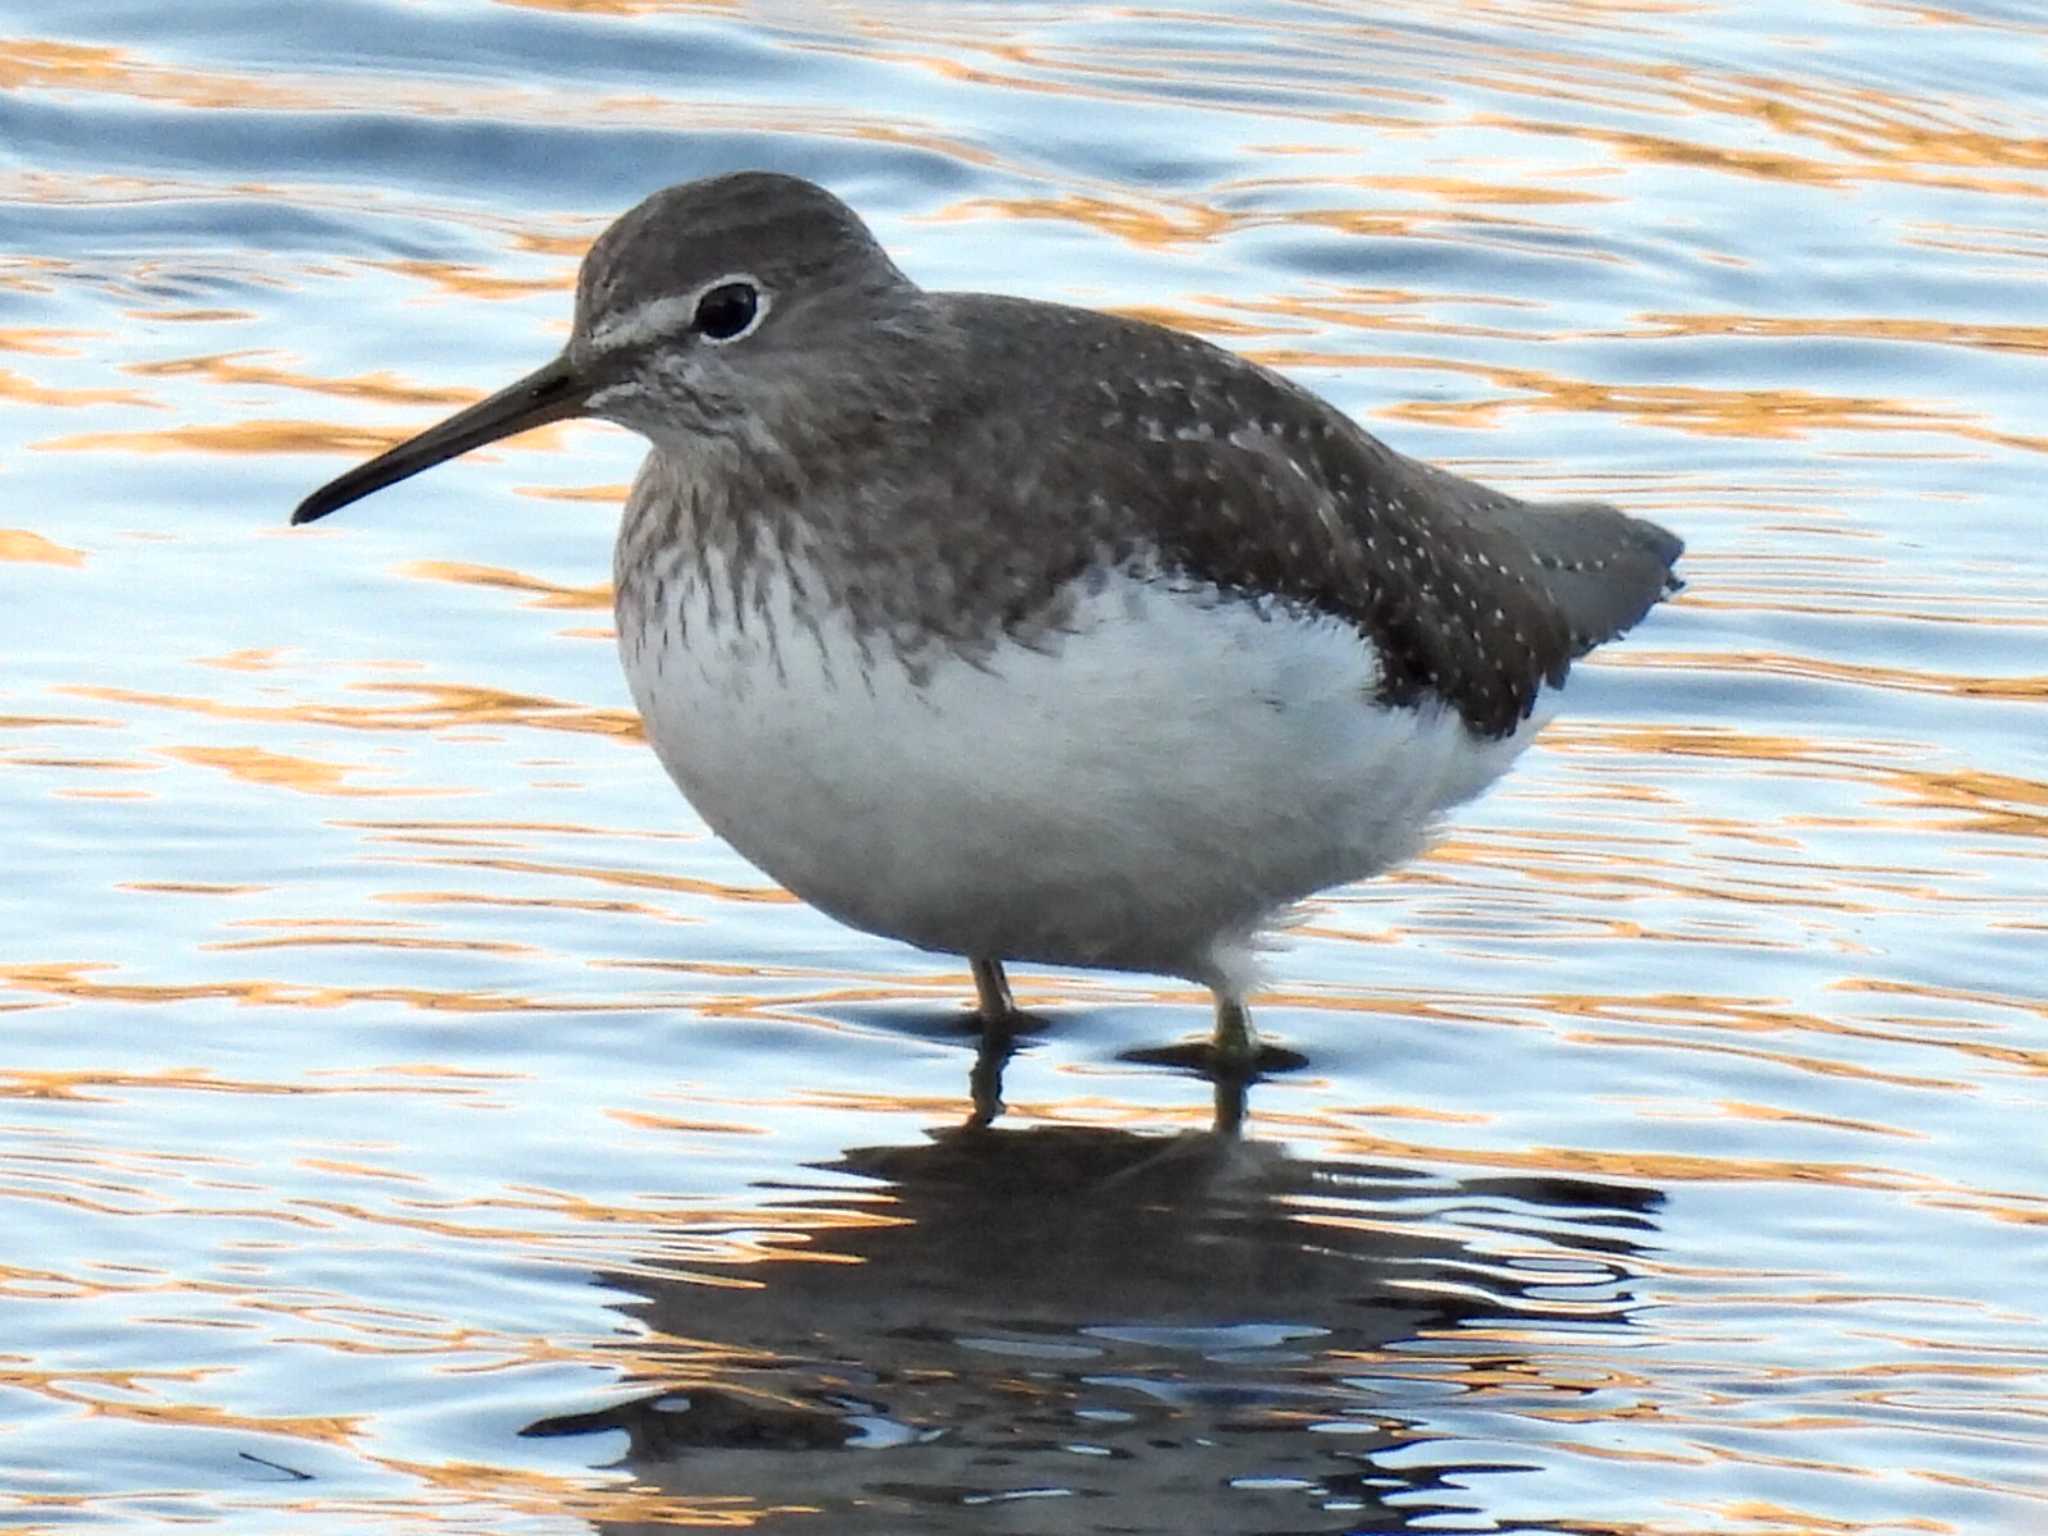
column 410, row 1117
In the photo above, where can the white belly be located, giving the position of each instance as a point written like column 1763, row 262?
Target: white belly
column 1150, row 792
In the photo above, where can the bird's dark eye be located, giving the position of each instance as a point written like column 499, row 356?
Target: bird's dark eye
column 727, row 310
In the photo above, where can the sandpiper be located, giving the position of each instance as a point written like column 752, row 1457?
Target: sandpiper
column 1025, row 632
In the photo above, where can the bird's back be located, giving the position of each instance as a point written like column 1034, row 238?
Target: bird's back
column 1149, row 445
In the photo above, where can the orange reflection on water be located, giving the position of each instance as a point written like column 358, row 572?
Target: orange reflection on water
column 308, row 776
column 25, row 391
column 383, row 939
column 612, row 908
column 1948, row 333
column 77, row 982
column 196, row 316
column 263, row 437
column 473, row 282
column 65, row 70
column 1863, row 674
column 727, row 1235
column 104, row 1086
column 1976, row 998
column 1653, row 1016
column 1354, row 310
column 496, row 833
column 550, row 1498
column 1861, row 133
column 547, row 594
column 31, row 64
column 630, row 7
column 1014, row 62
column 131, row 1396
column 1150, row 225
column 607, row 495
column 1350, row 310
column 348, row 1168
column 1744, row 413
column 1660, row 1169
column 237, row 369
column 191, row 888
column 82, row 764
column 632, row 879
column 1773, row 1114
column 23, row 546
column 43, row 341
column 1991, row 802
column 253, row 659
column 1755, row 413
column 641, row 1120
column 1448, row 189
column 56, row 722
column 1154, row 224
column 1804, row 587
column 443, row 705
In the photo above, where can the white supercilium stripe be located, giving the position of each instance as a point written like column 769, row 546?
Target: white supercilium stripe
column 662, row 317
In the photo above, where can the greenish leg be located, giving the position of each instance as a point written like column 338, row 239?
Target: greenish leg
column 992, row 994
column 1236, row 1042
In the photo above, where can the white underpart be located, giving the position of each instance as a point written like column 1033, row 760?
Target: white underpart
column 1150, row 792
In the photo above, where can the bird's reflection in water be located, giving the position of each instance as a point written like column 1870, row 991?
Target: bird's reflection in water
column 1199, row 1333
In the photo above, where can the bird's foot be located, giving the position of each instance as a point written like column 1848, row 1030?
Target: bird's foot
column 1234, row 1050
column 1233, row 1058
column 1204, row 1060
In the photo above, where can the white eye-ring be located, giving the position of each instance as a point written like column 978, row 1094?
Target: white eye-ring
column 729, row 309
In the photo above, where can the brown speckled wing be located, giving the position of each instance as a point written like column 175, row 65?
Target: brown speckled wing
column 1227, row 473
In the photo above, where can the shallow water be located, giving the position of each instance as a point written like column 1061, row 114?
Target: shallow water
column 410, row 1119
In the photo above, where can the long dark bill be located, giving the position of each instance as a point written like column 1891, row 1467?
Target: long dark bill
column 547, row 394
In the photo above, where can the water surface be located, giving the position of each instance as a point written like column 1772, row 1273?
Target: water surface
column 410, row 1117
